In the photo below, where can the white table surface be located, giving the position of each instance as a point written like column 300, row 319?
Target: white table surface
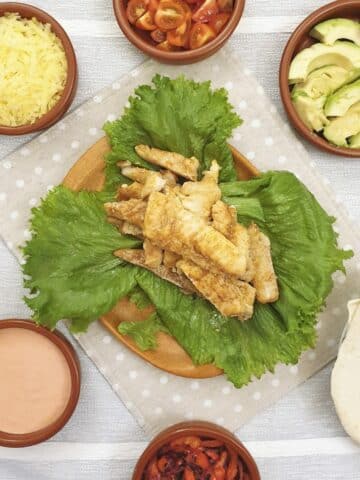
column 300, row 437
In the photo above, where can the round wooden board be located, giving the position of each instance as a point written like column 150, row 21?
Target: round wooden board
column 88, row 174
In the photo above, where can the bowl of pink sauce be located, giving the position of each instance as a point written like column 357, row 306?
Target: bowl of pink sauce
column 40, row 383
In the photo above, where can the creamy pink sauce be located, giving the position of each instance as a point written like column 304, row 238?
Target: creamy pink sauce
column 35, row 381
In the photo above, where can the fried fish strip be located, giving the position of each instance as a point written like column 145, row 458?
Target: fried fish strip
column 264, row 281
column 199, row 197
column 129, row 229
column 185, row 167
column 142, row 175
column 137, row 257
column 225, row 221
column 153, row 254
column 132, row 211
column 153, row 182
column 135, row 190
column 231, row 297
column 170, row 259
column 170, row 226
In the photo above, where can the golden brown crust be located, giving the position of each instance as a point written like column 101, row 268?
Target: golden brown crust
column 132, row 211
column 231, row 297
column 185, row 167
column 153, row 254
column 264, row 281
column 137, row 257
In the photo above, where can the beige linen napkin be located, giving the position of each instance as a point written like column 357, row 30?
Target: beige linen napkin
column 156, row 398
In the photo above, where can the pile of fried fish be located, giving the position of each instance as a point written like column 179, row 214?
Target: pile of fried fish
column 190, row 236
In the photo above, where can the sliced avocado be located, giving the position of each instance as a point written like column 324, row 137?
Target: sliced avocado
column 340, row 102
column 341, row 128
column 311, row 111
column 354, row 141
column 324, row 81
column 343, row 54
column 330, row 31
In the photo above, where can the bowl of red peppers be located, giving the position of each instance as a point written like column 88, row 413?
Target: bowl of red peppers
column 196, row 451
column 178, row 31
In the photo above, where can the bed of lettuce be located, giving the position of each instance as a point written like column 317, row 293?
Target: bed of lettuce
column 71, row 272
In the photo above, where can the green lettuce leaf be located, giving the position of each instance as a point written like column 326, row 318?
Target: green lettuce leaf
column 138, row 297
column 178, row 115
column 144, row 332
column 70, row 268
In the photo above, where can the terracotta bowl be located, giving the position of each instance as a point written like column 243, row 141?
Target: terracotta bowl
column 202, row 429
column 299, row 40
column 141, row 39
column 32, row 438
column 51, row 117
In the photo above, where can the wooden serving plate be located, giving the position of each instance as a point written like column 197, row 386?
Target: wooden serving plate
column 88, row 174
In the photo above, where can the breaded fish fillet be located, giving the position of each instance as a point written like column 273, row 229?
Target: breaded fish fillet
column 225, row 221
column 170, row 226
column 129, row 229
column 153, row 254
column 185, row 167
column 125, row 192
column 137, row 257
column 153, row 182
column 199, row 197
column 264, row 281
column 142, row 175
column 170, row 259
column 231, row 297
column 132, row 211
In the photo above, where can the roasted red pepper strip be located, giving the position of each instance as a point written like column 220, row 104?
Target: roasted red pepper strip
column 194, row 458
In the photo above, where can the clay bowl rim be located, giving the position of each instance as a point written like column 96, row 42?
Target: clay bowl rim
column 202, row 429
column 67, row 96
column 27, row 439
column 181, row 57
column 331, row 10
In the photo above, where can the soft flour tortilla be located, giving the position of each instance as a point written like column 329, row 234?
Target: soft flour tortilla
column 345, row 380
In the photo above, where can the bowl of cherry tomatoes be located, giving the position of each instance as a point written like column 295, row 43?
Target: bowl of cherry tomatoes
column 178, row 31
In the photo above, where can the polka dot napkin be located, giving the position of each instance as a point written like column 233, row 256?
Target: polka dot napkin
column 156, row 398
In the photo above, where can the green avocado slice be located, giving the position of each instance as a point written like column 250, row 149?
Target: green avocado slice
column 330, row 31
column 354, row 141
column 325, row 81
column 343, row 54
column 311, row 111
column 341, row 128
column 340, row 102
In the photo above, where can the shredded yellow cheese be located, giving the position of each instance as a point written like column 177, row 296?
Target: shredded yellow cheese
column 33, row 69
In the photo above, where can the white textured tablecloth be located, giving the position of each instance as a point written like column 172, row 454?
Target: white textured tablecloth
column 298, row 438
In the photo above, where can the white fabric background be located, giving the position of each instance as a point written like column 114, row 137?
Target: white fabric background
column 298, row 438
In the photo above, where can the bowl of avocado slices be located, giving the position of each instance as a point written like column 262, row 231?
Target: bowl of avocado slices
column 320, row 78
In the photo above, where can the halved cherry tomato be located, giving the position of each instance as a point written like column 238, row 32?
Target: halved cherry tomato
column 167, row 47
column 200, row 34
column 146, row 22
column 158, row 35
column 135, row 9
column 205, row 11
column 170, row 14
column 153, row 5
column 226, row 5
column 180, row 36
column 218, row 22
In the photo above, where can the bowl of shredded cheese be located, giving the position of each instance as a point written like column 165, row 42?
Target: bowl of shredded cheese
column 38, row 70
